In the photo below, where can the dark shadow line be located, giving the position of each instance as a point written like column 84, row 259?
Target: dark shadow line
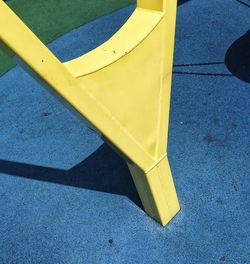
column 199, row 64
column 204, row 74
column 243, row 3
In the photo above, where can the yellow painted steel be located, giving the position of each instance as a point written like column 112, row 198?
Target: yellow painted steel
column 122, row 88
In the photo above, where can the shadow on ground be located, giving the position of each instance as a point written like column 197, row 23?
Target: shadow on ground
column 102, row 171
column 180, row 2
column 237, row 58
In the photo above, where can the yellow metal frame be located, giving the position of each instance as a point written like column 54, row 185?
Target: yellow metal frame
column 122, row 88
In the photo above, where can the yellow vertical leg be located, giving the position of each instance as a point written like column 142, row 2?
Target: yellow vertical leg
column 157, row 191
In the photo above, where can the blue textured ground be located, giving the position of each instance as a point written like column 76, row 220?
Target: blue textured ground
column 73, row 200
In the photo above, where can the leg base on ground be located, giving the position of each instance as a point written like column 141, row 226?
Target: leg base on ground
column 157, row 191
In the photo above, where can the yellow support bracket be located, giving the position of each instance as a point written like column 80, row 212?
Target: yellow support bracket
column 122, row 88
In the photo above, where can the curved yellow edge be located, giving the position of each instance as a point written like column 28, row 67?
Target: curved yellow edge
column 138, row 27
column 122, row 88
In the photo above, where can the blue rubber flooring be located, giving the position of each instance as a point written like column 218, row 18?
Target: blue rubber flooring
column 65, row 197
